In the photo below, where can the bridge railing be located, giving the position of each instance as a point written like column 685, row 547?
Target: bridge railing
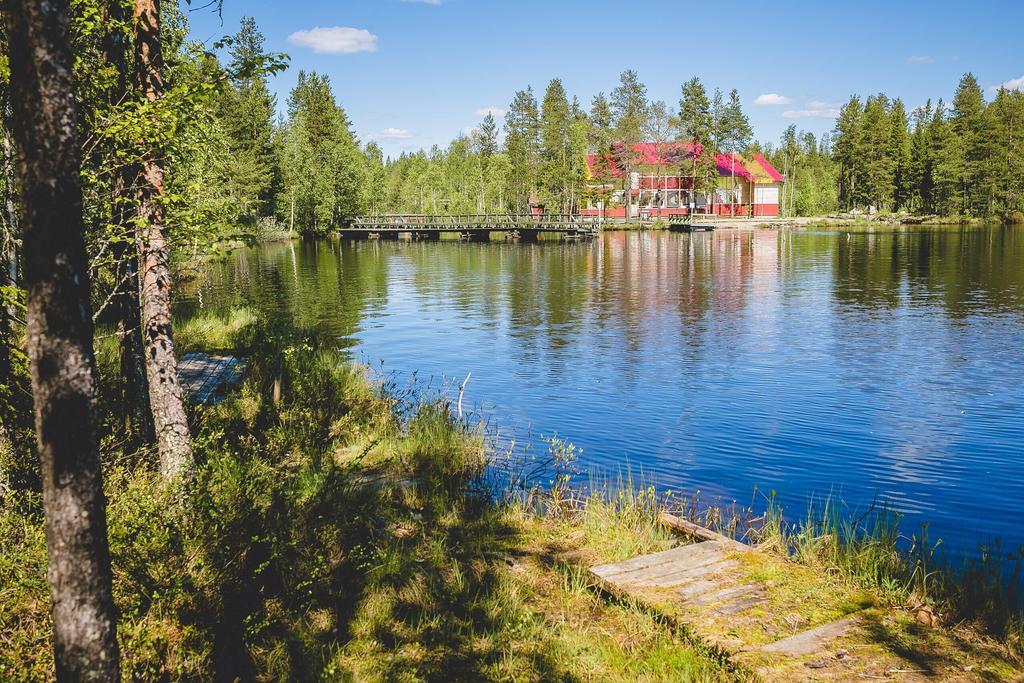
column 510, row 221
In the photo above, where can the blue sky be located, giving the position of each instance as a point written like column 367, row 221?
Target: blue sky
column 412, row 73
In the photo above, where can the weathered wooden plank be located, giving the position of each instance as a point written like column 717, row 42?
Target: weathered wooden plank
column 697, row 531
column 741, row 604
column 695, row 573
column 812, row 640
column 689, row 557
column 724, row 595
column 683, row 557
column 606, row 570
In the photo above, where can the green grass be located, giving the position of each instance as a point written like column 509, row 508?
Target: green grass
column 869, row 552
column 337, row 532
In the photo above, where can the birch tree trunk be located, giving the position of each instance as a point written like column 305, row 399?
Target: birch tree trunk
column 174, row 443
column 56, row 278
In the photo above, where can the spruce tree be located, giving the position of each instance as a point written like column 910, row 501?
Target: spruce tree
column 918, row 184
column 248, row 112
column 946, row 163
column 899, row 152
column 967, row 123
column 847, row 151
column 555, row 124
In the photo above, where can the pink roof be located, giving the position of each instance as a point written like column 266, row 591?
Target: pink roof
column 769, row 169
column 674, row 153
column 730, row 165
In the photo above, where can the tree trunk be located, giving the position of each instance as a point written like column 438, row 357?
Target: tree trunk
column 8, row 256
column 135, row 408
column 56, row 278
column 174, row 443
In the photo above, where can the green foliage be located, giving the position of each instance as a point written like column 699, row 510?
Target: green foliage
column 964, row 161
column 522, row 145
column 697, row 125
column 333, row 532
column 323, row 169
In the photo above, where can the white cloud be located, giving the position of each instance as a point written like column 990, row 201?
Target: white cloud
column 335, row 40
column 392, row 134
column 920, row 59
column 771, row 98
column 816, row 109
column 493, row 111
column 1012, row 84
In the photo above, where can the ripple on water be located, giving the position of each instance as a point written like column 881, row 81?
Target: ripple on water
column 882, row 366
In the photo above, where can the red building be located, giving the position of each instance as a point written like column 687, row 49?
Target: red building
column 747, row 185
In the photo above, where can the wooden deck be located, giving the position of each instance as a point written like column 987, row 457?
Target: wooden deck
column 470, row 227
column 689, row 226
column 710, row 587
column 205, row 377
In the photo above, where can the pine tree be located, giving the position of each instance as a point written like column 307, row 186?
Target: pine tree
column 486, row 137
column 875, row 183
column 629, row 112
column 735, row 130
column 579, row 172
column 600, row 134
column 697, row 128
column 718, row 119
column 1007, row 162
column 599, row 142
column 522, row 132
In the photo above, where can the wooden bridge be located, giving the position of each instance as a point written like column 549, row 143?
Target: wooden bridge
column 471, row 227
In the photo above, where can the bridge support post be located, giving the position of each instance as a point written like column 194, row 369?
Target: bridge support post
column 527, row 235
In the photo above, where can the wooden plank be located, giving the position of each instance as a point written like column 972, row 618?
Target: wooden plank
column 683, row 557
column 698, row 572
column 672, row 572
column 740, row 604
column 814, row 639
column 724, row 595
column 670, row 555
column 695, row 530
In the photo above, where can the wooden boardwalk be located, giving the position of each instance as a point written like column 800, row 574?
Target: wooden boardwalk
column 707, row 581
column 205, row 377
column 783, row 621
column 470, row 227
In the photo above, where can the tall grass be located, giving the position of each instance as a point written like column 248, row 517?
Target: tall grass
column 870, row 550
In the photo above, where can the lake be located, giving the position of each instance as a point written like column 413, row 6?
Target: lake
column 884, row 365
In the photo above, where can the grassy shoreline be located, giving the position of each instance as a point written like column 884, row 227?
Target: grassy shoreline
column 344, row 531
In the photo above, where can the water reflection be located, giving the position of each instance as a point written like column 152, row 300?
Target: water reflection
column 875, row 363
